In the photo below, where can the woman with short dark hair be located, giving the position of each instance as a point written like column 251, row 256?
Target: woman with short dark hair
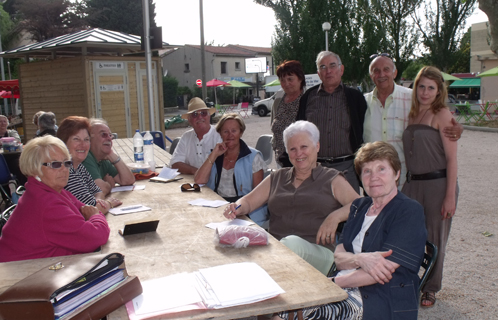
column 286, row 104
column 74, row 132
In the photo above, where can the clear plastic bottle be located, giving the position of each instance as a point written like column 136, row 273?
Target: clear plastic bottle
column 148, row 148
column 138, row 147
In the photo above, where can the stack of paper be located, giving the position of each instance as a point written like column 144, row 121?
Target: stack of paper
column 211, row 288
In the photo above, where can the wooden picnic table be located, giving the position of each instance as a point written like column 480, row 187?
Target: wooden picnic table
column 182, row 243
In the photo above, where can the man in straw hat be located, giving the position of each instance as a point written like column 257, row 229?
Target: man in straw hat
column 195, row 145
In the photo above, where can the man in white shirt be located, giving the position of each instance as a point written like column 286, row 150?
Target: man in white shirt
column 388, row 106
column 195, row 145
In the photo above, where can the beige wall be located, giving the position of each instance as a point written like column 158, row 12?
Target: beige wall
column 175, row 64
column 481, row 57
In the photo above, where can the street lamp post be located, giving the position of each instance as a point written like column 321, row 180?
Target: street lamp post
column 326, row 27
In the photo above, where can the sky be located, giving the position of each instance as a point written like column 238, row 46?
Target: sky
column 226, row 22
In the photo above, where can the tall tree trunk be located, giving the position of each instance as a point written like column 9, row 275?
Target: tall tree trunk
column 490, row 8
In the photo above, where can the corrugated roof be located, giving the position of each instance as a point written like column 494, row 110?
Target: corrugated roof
column 94, row 41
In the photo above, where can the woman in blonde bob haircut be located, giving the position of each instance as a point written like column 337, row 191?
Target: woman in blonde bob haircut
column 48, row 220
column 38, row 149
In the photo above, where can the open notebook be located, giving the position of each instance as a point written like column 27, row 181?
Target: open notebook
column 211, row 288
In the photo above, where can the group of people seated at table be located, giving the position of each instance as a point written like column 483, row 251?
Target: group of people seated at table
column 381, row 246
column 69, row 179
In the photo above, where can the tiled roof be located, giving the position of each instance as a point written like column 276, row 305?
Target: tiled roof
column 229, row 51
column 260, row 50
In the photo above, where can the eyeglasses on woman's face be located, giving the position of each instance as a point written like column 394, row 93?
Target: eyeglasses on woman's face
column 58, row 164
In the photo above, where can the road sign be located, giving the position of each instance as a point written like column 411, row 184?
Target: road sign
column 198, row 82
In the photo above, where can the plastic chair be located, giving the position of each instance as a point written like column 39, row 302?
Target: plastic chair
column 244, row 108
column 264, row 145
column 173, row 145
column 430, row 257
column 5, row 179
column 5, row 215
column 158, row 138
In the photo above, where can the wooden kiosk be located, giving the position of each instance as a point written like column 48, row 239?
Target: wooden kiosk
column 92, row 73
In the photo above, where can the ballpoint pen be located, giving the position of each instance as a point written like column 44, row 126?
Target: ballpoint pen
column 130, row 208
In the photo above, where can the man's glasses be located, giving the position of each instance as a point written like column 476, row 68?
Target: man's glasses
column 375, row 55
column 190, row 187
column 58, row 164
column 331, row 66
column 195, row 114
column 106, row 135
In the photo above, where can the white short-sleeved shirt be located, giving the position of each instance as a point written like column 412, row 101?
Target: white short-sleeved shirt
column 388, row 123
column 192, row 151
column 226, row 188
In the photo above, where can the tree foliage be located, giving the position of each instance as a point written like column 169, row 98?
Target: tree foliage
column 170, row 88
column 6, row 25
column 441, row 25
column 462, row 55
column 359, row 29
column 118, row 15
column 490, row 7
column 401, row 35
column 46, row 19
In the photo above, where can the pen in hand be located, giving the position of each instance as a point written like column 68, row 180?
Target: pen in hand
column 230, row 212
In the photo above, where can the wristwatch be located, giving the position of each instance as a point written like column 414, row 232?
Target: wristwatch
column 117, row 160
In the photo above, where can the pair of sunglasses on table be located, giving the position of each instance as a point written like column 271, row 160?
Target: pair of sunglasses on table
column 186, row 187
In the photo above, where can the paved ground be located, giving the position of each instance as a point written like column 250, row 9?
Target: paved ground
column 471, row 276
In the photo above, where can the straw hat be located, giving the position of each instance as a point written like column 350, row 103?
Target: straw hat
column 196, row 104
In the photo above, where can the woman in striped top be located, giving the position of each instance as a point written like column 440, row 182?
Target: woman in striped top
column 74, row 131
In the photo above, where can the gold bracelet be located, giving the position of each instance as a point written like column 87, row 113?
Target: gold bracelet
column 110, row 204
column 211, row 162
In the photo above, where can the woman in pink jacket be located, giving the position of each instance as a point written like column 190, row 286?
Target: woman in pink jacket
column 48, row 220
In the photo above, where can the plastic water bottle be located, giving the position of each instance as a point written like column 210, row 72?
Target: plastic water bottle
column 138, row 147
column 148, row 148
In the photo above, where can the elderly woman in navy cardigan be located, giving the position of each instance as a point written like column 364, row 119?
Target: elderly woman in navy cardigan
column 233, row 169
column 383, row 246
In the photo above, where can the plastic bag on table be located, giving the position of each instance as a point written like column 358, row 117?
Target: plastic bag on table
column 241, row 236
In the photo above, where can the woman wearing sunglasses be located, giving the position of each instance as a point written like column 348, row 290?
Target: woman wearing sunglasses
column 48, row 220
column 74, row 132
column 233, row 169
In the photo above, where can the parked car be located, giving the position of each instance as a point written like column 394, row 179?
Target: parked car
column 263, row 107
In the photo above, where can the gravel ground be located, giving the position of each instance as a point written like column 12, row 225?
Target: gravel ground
column 470, row 274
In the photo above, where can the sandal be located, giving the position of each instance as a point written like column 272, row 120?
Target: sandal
column 429, row 297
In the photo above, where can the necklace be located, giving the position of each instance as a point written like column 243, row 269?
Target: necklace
column 423, row 115
column 230, row 161
column 374, row 210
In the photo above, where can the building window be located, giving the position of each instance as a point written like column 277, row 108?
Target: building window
column 187, row 68
column 223, row 67
column 237, row 65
